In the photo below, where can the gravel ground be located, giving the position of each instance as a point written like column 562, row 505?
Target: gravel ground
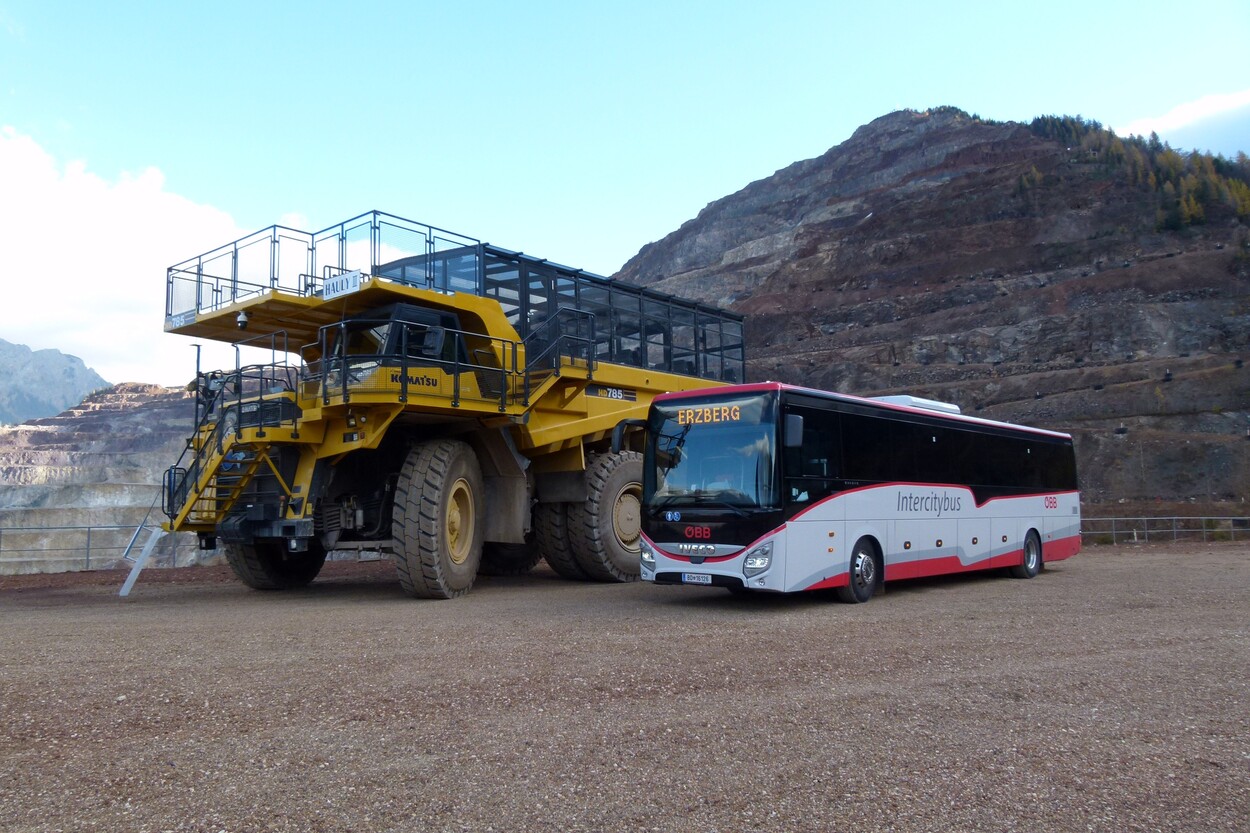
column 1111, row 693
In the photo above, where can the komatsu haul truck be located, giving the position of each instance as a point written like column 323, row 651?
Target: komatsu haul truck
column 404, row 389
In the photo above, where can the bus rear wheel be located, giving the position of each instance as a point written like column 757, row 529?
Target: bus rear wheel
column 438, row 520
column 1031, row 560
column 865, row 572
column 605, row 532
column 267, row 565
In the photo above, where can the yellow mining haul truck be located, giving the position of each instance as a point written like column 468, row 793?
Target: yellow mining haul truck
column 403, row 389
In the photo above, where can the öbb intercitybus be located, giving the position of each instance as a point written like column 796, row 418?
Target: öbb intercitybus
column 771, row 487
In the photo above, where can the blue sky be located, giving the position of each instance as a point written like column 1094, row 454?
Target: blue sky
column 134, row 135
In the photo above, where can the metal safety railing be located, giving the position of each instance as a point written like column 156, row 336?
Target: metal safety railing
column 1157, row 530
column 71, row 548
column 636, row 326
column 299, row 262
column 63, row 549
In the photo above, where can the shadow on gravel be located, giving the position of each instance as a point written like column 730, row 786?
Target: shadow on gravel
column 719, row 599
column 930, row 583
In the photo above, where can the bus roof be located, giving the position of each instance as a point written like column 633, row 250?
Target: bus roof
column 779, row 387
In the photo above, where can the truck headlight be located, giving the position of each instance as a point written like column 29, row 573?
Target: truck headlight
column 648, row 556
column 758, row 560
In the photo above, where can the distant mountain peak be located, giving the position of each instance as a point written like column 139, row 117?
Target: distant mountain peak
column 41, row 383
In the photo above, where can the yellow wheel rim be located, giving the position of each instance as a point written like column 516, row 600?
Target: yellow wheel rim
column 459, row 523
column 627, row 516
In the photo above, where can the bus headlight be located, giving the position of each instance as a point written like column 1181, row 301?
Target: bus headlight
column 647, row 555
column 758, row 560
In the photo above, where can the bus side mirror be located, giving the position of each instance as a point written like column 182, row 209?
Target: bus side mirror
column 618, row 433
column 794, row 431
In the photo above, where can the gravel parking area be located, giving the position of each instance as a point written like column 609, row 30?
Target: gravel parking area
column 1111, row 693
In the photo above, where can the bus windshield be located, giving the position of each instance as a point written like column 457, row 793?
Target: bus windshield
column 712, row 453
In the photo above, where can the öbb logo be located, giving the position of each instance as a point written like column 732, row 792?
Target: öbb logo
column 1051, row 502
column 701, row 533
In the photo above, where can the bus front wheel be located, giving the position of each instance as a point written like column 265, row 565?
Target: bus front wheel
column 865, row 573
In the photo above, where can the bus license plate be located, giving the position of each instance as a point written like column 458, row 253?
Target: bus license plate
column 696, row 578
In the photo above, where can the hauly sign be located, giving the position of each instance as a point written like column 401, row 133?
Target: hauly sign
column 344, row 284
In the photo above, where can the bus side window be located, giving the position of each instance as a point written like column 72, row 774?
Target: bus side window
column 811, row 470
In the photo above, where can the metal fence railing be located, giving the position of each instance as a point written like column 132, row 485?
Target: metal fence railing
column 299, row 262
column 63, row 549
column 59, row 549
column 1146, row 530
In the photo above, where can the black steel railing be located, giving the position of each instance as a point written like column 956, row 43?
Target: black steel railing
column 291, row 260
column 227, row 401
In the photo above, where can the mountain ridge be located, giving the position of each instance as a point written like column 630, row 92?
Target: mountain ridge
column 41, row 383
column 1045, row 273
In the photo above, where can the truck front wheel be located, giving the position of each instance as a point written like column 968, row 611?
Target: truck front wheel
column 437, row 524
column 267, row 565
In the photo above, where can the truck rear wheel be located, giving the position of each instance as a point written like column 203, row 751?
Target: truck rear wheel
column 509, row 559
column 605, row 531
column 267, row 565
column 437, row 523
column 551, row 534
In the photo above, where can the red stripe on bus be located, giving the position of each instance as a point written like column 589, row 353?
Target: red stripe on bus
column 831, row 582
column 1062, row 548
column 950, row 564
column 901, row 484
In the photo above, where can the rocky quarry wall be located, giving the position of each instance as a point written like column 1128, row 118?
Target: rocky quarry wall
column 96, row 466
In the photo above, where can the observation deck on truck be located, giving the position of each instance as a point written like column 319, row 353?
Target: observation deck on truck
column 278, row 282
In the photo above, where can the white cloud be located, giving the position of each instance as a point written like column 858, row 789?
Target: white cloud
column 1184, row 115
column 12, row 27
column 83, row 260
column 294, row 220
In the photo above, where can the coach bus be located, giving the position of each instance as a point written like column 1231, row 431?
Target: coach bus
column 773, row 487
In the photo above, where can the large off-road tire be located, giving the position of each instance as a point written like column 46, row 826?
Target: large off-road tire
column 509, row 559
column 551, row 534
column 605, row 531
column 1031, row 559
column 267, row 565
column 438, row 520
column 866, row 572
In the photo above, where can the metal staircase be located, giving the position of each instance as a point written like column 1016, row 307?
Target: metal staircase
column 196, row 493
